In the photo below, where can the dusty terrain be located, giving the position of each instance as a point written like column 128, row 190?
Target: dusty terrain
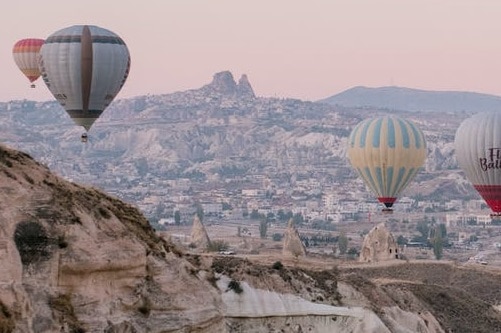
column 73, row 259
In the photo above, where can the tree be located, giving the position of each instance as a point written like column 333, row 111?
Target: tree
column 277, row 237
column 401, row 240
column 254, row 214
column 424, row 230
column 281, row 215
column 438, row 243
column 263, row 228
column 342, row 243
column 298, row 219
column 177, row 217
column 226, row 206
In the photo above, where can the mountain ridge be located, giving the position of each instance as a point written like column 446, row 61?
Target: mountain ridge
column 410, row 99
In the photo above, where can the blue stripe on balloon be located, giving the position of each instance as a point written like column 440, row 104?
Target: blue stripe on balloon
column 400, row 176
column 417, row 135
column 389, row 179
column 363, row 134
column 376, row 137
column 406, row 141
column 391, row 133
column 353, row 135
column 379, row 179
column 368, row 176
column 410, row 174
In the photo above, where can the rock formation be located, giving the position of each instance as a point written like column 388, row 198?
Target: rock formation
column 224, row 84
column 73, row 259
column 379, row 244
column 199, row 237
column 293, row 246
column 244, row 88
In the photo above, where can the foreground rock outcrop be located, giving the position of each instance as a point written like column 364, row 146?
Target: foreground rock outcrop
column 73, row 259
column 76, row 260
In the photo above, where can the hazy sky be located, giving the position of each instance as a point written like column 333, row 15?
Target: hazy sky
column 306, row 49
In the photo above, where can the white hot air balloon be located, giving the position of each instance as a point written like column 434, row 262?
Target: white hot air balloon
column 478, row 152
column 84, row 67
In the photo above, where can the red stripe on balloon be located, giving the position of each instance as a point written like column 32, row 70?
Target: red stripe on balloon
column 491, row 195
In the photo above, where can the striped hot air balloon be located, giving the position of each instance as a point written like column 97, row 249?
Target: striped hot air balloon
column 25, row 53
column 387, row 152
column 478, row 152
column 84, row 67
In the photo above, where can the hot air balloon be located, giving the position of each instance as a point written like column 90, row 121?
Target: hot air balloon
column 25, row 53
column 478, row 152
column 387, row 153
column 84, row 67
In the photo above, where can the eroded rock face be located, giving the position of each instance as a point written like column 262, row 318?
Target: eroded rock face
column 73, row 259
column 379, row 245
column 199, row 237
column 293, row 246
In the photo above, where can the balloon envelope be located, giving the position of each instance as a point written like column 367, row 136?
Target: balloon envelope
column 387, row 153
column 84, row 67
column 25, row 53
column 478, row 152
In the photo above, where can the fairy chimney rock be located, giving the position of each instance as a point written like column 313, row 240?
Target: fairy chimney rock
column 199, row 236
column 293, row 246
column 379, row 245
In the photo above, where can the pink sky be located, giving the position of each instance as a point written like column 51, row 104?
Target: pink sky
column 288, row 48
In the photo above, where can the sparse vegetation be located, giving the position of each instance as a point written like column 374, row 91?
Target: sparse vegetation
column 103, row 212
column 263, row 228
column 277, row 265
column 32, row 242
column 218, row 245
column 235, row 286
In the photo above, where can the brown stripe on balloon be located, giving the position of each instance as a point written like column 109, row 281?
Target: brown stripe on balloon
column 86, row 68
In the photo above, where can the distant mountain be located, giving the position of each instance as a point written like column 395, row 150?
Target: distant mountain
column 406, row 99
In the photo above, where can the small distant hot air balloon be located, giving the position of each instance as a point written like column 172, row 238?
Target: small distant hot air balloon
column 25, row 53
column 478, row 152
column 84, row 67
column 387, row 153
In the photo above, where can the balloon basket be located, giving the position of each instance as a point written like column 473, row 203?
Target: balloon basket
column 496, row 216
column 32, row 86
column 84, row 138
column 387, row 211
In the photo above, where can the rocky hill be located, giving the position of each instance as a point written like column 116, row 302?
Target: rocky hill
column 74, row 259
column 415, row 100
column 220, row 136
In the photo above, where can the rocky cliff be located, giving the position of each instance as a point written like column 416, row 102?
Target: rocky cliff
column 73, row 259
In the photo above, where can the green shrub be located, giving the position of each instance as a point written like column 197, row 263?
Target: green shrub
column 277, row 265
column 235, row 286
